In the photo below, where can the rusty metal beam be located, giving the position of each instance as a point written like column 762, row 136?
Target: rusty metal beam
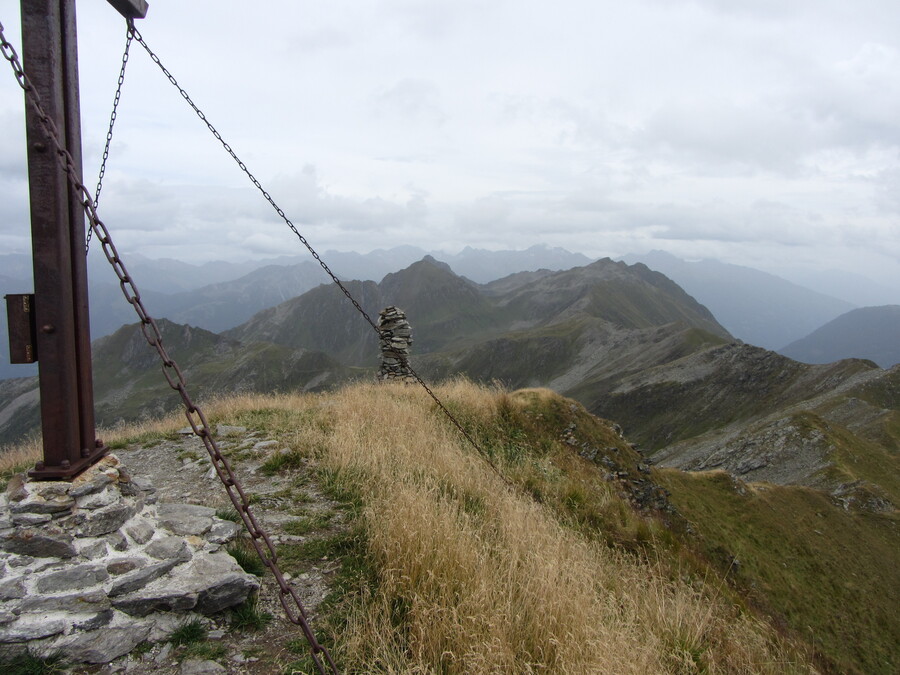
column 22, row 329
column 130, row 9
column 57, row 228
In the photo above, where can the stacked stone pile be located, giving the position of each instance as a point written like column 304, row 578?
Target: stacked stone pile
column 396, row 339
column 95, row 566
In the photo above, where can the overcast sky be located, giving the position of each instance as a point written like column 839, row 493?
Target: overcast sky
column 763, row 132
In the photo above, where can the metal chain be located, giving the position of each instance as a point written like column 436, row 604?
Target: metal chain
column 9, row 53
column 303, row 240
column 112, row 122
column 289, row 599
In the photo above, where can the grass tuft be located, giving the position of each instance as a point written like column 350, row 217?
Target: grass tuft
column 247, row 557
column 29, row 663
column 248, row 616
column 204, row 651
column 189, row 632
column 307, row 523
column 228, row 513
column 281, row 462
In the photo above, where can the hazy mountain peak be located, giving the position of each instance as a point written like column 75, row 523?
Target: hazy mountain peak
column 866, row 332
column 755, row 306
column 437, row 263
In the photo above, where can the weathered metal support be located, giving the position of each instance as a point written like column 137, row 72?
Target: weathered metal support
column 22, row 328
column 130, row 9
column 57, row 228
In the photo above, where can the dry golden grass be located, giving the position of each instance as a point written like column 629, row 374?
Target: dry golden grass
column 473, row 576
column 15, row 458
column 506, row 588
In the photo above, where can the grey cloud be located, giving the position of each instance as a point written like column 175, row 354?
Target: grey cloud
column 887, row 193
column 14, row 209
column 319, row 39
column 488, row 212
column 150, row 217
column 314, row 204
column 859, row 97
column 12, row 143
column 430, row 20
column 708, row 126
column 411, row 99
column 711, row 136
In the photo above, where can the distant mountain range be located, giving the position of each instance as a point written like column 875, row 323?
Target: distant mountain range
column 867, row 333
column 853, row 288
column 755, row 307
column 219, row 295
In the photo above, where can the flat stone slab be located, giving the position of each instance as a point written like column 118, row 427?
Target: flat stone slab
column 186, row 519
column 194, row 667
column 225, row 430
column 169, row 548
column 104, row 520
column 105, row 645
column 140, row 578
column 71, row 578
column 140, row 529
column 222, row 532
column 38, row 544
column 76, row 603
column 31, row 628
column 208, row 584
column 12, row 589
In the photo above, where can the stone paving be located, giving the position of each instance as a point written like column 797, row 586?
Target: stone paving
column 123, row 556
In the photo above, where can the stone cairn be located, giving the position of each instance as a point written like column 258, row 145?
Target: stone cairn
column 93, row 567
column 396, row 338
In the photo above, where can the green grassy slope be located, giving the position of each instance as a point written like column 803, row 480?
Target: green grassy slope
column 829, row 573
column 128, row 383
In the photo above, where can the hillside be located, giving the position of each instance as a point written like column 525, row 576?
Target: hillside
column 762, row 416
column 623, row 340
column 632, row 347
column 871, row 333
column 129, row 386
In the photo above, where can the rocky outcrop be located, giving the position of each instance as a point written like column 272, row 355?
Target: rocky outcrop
column 95, row 566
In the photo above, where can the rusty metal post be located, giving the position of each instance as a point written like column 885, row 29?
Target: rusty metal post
column 57, row 226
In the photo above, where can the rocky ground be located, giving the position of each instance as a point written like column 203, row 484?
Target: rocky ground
column 181, row 472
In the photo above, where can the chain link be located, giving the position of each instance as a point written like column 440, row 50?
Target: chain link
column 112, row 122
column 290, row 601
column 9, row 53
